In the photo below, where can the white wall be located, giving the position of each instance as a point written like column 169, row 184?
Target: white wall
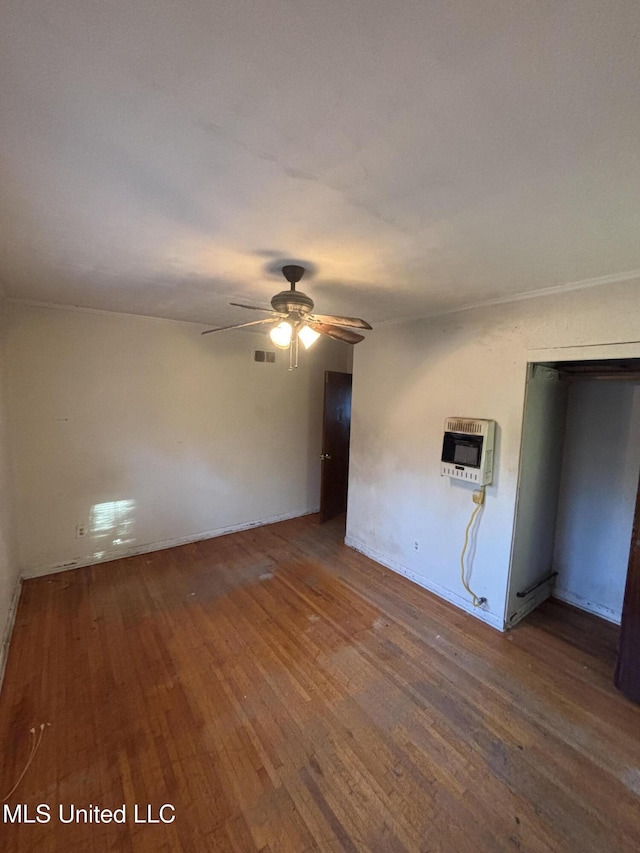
column 8, row 562
column 597, row 495
column 409, row 377
column 149, row 434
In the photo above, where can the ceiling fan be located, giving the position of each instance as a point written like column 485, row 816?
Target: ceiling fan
column 292, row 311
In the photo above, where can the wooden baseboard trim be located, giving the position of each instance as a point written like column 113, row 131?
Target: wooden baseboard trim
column 446, row 594
column 148, row 548
column 8, row 630
column 584, row 604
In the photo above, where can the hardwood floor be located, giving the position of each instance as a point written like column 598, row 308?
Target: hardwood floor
column 283, row 692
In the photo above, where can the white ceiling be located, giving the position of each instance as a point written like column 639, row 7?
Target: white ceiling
column 163, row 157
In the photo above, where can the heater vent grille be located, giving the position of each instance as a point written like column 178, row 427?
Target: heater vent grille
column 471, row 427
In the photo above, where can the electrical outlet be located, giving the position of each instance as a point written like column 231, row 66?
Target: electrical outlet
column 416, row 546
column 81, row 531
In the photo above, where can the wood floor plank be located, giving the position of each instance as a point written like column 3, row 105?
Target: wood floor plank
column 285, row 693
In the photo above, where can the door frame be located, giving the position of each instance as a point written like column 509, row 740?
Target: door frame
column 556, row 358
column 627, row 674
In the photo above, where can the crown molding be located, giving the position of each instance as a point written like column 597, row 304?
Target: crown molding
column 583, row 284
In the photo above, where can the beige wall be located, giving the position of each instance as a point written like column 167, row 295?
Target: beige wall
column 8, row 562
column 147, row 434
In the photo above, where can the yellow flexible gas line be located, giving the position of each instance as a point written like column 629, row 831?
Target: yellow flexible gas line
column 476, row 601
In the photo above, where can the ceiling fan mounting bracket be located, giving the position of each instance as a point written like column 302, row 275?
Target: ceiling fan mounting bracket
column 293, row 273
column 292, row 301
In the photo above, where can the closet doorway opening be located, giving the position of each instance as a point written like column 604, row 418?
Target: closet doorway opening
column 576, row 536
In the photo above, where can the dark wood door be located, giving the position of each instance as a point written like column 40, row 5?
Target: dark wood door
column 336, row 428
column 627, row 678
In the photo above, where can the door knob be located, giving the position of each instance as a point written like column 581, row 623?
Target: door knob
column 324, row 456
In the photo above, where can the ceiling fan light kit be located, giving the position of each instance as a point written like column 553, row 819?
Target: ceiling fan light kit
column 281, row 335
column 291, row 310
column 308, row 336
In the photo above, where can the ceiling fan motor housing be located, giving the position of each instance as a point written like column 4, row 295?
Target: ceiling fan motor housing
column 288, row 301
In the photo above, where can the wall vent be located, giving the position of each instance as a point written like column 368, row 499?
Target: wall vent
column 458, row 425
column 265, row 356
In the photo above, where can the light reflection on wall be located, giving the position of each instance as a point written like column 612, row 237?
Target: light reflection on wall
column 112, row 521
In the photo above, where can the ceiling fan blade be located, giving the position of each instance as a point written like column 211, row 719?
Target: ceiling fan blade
column 340, row 334
column 355, row 322
column 252, row 307
column 241, row 325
